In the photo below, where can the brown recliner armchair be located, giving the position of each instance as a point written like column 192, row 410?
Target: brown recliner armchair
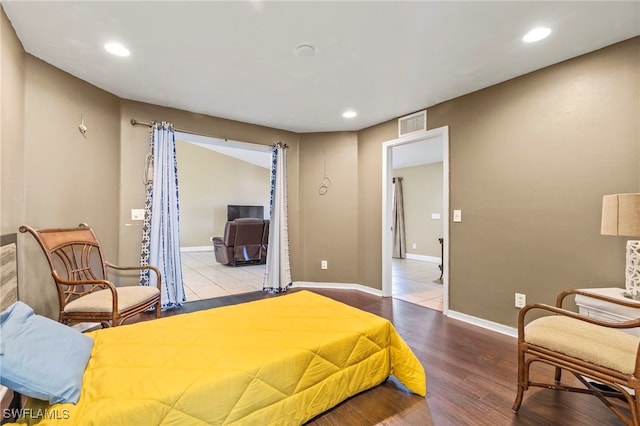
column 245, row 241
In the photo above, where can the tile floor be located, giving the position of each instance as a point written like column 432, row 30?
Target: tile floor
column 417, row 282
column 204, row 278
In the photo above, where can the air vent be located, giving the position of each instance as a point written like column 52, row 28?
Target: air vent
column 412, row 123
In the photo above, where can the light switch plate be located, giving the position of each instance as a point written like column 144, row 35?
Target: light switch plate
column 137, row 214
column 457, row 215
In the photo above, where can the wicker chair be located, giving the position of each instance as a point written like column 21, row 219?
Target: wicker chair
column 80, row 273
column 598, row 353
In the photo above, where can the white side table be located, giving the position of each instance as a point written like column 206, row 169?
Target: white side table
column 602, row 310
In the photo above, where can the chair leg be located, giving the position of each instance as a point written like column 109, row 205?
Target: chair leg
column 158, row 309
column 634, row 407
column 518, row 402
column 522, row 377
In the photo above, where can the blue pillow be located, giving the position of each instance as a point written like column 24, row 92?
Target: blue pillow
column 41, row 358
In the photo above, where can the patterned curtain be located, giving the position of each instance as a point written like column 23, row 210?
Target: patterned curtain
column 278, row 271
column 160, row 231
column 397, row 215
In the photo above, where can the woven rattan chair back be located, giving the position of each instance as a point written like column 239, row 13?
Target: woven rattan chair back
column 79, row 269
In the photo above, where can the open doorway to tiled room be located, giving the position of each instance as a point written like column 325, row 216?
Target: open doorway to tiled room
column 418, row 282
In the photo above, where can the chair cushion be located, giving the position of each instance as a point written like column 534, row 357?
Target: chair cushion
column 41, row 358
column 599, row 345
column 101, row 301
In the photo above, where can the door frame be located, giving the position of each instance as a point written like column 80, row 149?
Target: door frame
column 441, row 134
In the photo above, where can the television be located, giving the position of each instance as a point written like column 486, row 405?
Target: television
column 237, row 211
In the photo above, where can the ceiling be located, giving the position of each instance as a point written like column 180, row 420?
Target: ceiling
column 238, row 60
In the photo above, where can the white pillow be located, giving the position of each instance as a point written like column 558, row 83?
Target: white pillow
column 41, row 358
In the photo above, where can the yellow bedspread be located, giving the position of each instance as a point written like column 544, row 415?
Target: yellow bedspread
column 277, row 361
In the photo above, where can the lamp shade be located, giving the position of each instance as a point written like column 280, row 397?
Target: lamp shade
column 621, row 215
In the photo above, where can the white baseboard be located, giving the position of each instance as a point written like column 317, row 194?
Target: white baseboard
column 430, row 259
column 337, row 286
column 199, row 248
column 489, row 325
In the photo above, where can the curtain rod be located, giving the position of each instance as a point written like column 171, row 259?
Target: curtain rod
column 135, row 122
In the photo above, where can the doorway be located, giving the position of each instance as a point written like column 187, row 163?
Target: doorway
column 441, row 136
column 215, row 173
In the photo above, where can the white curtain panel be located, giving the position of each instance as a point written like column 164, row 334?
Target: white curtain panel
column 161, row 229
column 278, row 270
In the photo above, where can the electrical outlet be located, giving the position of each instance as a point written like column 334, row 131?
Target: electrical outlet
column 415, row 246
column 521, row 300
column 324, row 265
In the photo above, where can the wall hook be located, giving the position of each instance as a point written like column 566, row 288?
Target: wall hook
column 326, row 182
column 82, row 127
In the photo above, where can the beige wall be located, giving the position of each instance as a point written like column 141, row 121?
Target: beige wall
column 209, row 181
column 422, row 195
column 12, row 129
column 370, row 201
column 70, row 179
column 329, row 230
column 73, row 178
column 530, row 160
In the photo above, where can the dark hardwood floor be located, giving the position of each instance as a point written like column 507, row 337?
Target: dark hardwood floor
column 471, row 374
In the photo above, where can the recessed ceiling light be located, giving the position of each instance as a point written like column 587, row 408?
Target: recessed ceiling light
column 349, row 114
column 116, row 49
column 536, row 34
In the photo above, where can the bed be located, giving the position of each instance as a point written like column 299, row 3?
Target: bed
column 277, row 361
